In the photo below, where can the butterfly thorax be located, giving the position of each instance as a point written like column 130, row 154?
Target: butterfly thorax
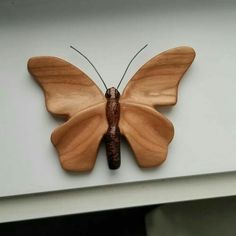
column 112, row 136
column 113, row 107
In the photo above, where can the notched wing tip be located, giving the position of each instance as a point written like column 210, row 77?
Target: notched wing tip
column 189, row 50
column 29, row 64
column 186, row 49
column 33, row 62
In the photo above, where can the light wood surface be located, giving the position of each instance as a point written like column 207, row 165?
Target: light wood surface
column 72, row 94
column 66, row 88
column 77, row 141
column 156, row 82
column 148, row 133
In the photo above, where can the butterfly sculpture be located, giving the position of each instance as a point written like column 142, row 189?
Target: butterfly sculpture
column 91, row 116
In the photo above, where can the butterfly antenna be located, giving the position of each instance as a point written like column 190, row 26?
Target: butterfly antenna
column 130, row 64
column 90, row 64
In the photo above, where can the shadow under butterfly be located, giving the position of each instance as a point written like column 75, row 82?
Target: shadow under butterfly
column 91, row 116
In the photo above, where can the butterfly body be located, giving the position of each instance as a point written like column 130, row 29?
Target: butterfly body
column 90, row 116
column 112, row 136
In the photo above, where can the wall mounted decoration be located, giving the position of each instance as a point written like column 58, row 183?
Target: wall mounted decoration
column 91, row 116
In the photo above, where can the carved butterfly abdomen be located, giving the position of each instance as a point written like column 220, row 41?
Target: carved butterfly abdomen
column 70, row 93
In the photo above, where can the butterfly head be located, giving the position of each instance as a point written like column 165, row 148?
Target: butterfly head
column 112, row 93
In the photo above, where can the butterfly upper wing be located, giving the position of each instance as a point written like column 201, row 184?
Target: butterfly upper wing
column 155, row 83
column 77, row 141
column 66, row 88
column 72, row 94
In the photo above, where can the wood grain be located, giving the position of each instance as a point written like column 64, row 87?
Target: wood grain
column 156, row 82
column 72, row 94
column 77, row 141
column 112, row 136
column 67, row 89
column 148, row 133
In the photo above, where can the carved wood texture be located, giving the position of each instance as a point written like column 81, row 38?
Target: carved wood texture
column 112, row 136
column 72, row 94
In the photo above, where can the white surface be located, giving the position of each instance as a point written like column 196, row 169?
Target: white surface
column 109, row 33
column 116, row 196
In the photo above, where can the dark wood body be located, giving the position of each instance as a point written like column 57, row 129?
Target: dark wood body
column 112, row 136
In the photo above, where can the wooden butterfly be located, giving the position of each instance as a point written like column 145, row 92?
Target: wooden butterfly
column 90, row 115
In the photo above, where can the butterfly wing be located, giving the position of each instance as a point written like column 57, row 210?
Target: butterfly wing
column 77, row 141
column 66, row 88
column 148, row 133
column 155, row 83
column 72, row 94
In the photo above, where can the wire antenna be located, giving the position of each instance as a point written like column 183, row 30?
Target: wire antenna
column 90, row 64
column 130, row 64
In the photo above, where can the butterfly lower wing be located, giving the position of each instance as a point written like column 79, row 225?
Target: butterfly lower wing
column 156, row 82
column 148, row 133
column 66, row 88
column 77, row 141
